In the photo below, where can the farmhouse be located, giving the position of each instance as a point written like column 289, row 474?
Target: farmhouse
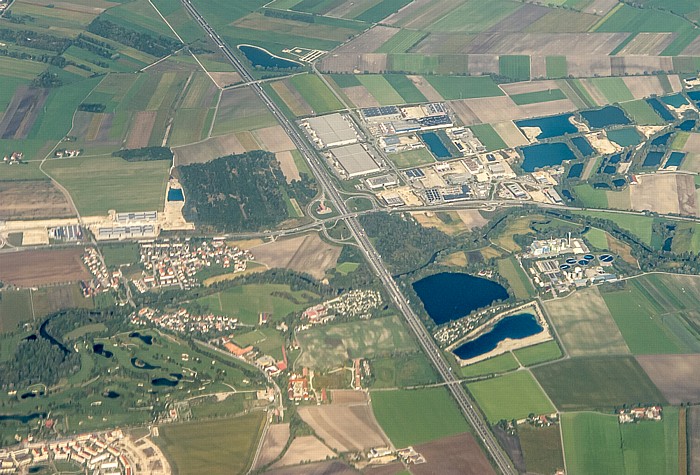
column 354, row 160
column 332, row 130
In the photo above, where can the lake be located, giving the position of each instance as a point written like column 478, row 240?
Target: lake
column 435, row 145
column 554, row 126
column 661, row 140
column 625, row 137
column 676, row 100
column 263, row 58
column 686, row 125
column 545, row 155
column 515, row 327
column 575, row 171
column 605, row 117
column 675, row 159
column 449, row 296
column 175, row 194
column 147, row 339
column 653, row 159
column 583, row 146
column 99, row 348
column 164, row 382
column 660, row 109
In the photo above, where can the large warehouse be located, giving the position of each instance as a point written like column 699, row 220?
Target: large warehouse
column 331, row 130
column 355, row 160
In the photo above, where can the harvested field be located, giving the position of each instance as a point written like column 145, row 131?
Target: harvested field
column 483, row 64
column 675, row 81
column 677, row 376
column 332, row 467
column 348, row 396
column 538, row 67
column 393, row 468
column 305, row 449
column 545, row 44
column 354, row 63
column 693, row 49
column 510, row 133
column 303, row 254
column 694, row 439
column 422, row 14
column 465, row 113
column 289, row 168
column 141, row 128
column 349, row 427
column 208, row 150
column 472, row 218
column 370, row 40
column 457, row 454
column 425, row 88
column 528, row 86
column 519, row 19
column 360, row 96
column 37, row 268
column 600, row 7
column 21, row 113
column 494, row 109
column 595, row 93
column 585, row 325
column 274, row 139
column 48, row 300
column 35, row 199
column 224, row 79
column 275, row 440
column 292, row 98
column 692, row 145
column 643, row 86
column 548, row 108
column 585, row 66
column 442, row 43
column 647, row 44
column 665, row 194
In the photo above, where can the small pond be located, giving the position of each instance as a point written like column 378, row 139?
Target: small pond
column 261, row 57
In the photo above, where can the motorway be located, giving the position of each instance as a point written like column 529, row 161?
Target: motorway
column 433, row 352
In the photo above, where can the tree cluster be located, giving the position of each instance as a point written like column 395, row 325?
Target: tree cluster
column 37, row 361
column 35, row 40
column 47, row 79
column 92, row 107
column 143, row 154
column 154, row 45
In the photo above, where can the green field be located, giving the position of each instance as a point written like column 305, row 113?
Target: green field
column 213, row 447
column 464, row 87
column 412, row 158
column 538, row 96
column 405, row 88
column 541, row 448
column 116, row 255
column 474, row 16
column 401, row 41
column 381, row 89
column 556, row 67
column 536, row 354
column 512, row 396
column 381, row 10
column 267, row 340
column 642, row 113
column 488, row 137
column 597, row 383
column 15, row 308
column 597, row 238
column 518, row 280
column 498, row 364
column 590, row 197
column 100, row 184
column 23, row 171
column 316, row 94
column 345, row 80
column 245, row 302
column 516, row 67
column 409, row 370
column 640, row 226
column 596, row 443
column 412, row 417
column 614, row 89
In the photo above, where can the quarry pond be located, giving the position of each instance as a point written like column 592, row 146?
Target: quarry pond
column 449, row 296
column 515, row 327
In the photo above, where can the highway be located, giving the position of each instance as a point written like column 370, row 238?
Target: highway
column 433, row 352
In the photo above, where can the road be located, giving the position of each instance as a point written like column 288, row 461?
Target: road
column 322, row 175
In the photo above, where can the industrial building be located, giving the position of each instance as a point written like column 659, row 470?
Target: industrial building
column 354, row 160
column 332, row 130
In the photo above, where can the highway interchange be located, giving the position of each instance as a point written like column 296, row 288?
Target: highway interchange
column 433, row 352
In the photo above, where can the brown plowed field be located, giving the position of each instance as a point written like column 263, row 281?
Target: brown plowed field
column 22, row 112
column 458, row 454
column 361, row 97
column 208, row 150
column 694, row 439
column 275, row 440
column 305, row 449
column 350, row 62
column 274, row 139
column 586, row 66
column 571, row 44
column 36, row 199
column 141, row 129
column 37, row 268
column 368, row 41
column 644, row 86
column 677, row 376
column 303, row 254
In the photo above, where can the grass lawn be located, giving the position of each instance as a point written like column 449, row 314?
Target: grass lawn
column 223, row 446
column 267, row 339
column 642, row 113
column 23, row 171
column 347, row 267
column 100, row 184
column 116, row 255
column 590, row 197
column 538, row 96
column 541, row 448
column 412, row 158
column 518, row 281
column 512, row 396
column 247, row 301
column 15, row 308
column 315, row 93
column 556, row 67
column 597, row 383
column 640, row 226
column 597, row 238
column 497, row 364
column 433, row 415
column 488, row 137
column 464, row 87
column 536, row 354
column 516, row 67
column 409, row 370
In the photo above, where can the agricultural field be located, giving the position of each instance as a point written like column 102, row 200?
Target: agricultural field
column 596, row 443
column 537, row 354
column 307, row 253
column 117, row 255
column 434, row 415
column 541, row 448
column 518, row 280
column 42, row 267
column 641, row 113
column 241, row 110
column 464, row 87
column 211, row 447
column 412, row 158
column 328, row 347
column 98, row 184
column 316, row 94
column 409, row 370
column 498, row 364
column 15, row 308
column 600, row 382
column 512, row 396
column 35, row 199
column 488, row 137
column 454, row 454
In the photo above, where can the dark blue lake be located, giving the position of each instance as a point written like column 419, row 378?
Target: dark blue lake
column 694, row 95
column 175, row 194
column 435, row 145
column 164, row 382
column 515, row 327
column 605, row 117
column 141, row 364
column 653, row 159
column 545, row 155
column 448, row 296
column 660, row 109
column 583, row 146
column 619, row 182
column 575, row 171
column 554, row 126
column 263, row 58
column 686, row 125
column 147, row 339
column 676, row 100
column 610, row 169
column 675, row 159
column 661, row 140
